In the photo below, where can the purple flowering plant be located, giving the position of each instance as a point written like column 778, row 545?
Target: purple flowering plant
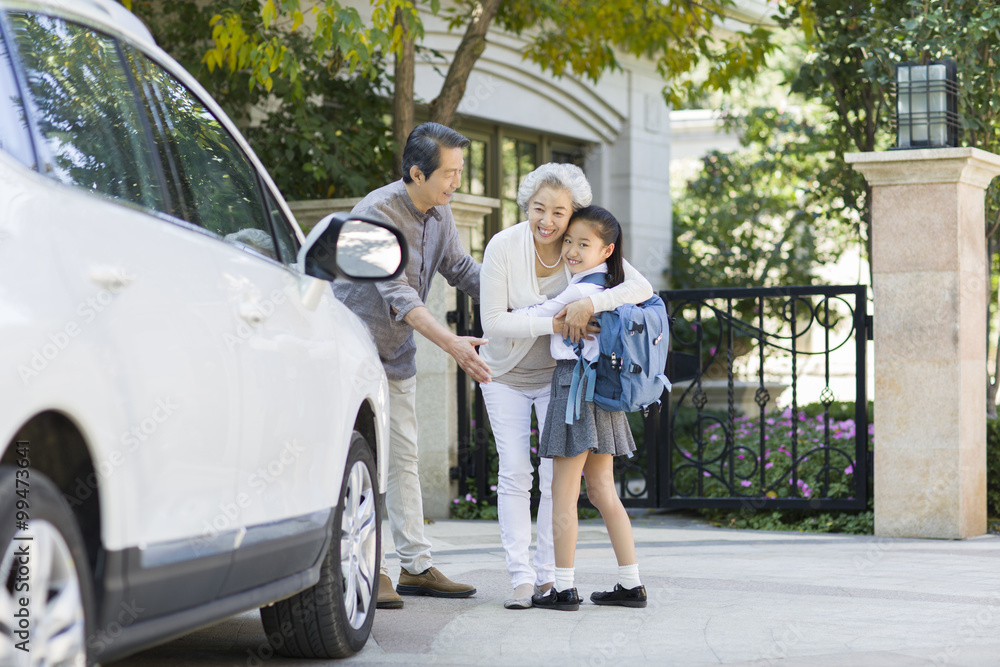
column 805, row 456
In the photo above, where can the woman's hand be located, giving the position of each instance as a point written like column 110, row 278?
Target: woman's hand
column 573, row 321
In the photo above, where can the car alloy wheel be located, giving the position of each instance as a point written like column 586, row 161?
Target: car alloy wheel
column 359, row 544
column 333, row 618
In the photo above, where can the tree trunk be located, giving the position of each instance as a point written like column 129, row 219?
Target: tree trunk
column 402, row 93
column 471, row 48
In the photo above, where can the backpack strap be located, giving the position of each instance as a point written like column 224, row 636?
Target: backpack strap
column 665, row 325
column 584, row 375
column 595, row 279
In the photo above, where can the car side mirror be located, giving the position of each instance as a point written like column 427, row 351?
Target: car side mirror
column 354, row 247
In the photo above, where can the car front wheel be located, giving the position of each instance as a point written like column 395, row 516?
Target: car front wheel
column 333, row 619
column 45, row 590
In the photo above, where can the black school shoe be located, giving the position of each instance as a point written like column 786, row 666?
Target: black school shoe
column 623, row 597
column 567, row 600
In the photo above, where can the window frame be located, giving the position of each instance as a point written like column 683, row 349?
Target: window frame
column 148, row 114
column 44, row 161
column 239, row 141
column 27, row 101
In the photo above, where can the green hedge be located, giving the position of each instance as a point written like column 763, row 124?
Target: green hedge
column 993, row 467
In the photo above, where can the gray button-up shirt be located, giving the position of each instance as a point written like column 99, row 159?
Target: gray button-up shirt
column 434, row 246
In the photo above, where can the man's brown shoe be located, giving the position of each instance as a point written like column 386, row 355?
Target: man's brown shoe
column 431, row 582
column 387, row 598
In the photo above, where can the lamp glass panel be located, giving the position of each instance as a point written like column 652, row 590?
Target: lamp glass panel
column 918, row 90
column 939, row 133
column 938, row 98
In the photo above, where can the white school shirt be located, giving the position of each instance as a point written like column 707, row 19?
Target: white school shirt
column 573, row 292
column 508, row 280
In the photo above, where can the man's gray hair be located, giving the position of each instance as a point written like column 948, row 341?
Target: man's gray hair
column 567, row 177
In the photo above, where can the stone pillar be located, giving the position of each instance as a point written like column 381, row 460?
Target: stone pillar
column 930, row 277
column 437, row 385
column 310, row 211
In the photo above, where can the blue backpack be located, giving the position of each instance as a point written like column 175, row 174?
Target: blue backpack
column 628, row 374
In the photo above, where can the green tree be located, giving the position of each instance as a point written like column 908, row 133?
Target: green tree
column 577, row 37
column 853, row 48
column 758, row 216
column 321, row 133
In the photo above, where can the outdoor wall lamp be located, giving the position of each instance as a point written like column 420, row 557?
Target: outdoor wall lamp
column 926, row 104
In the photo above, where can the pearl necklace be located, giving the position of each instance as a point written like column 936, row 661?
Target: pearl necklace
column 540, row 261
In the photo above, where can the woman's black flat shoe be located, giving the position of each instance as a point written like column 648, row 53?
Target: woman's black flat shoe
column 622, row 597
column 567, row 600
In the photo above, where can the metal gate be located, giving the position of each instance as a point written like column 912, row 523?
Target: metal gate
column 754, row 418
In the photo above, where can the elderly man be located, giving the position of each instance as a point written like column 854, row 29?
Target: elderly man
column 419, row 206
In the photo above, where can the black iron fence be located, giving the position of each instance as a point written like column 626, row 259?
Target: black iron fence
column 768, row 407
column 726, row 438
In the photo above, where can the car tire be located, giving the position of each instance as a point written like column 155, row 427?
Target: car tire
column 45, row 565
column 333, row 618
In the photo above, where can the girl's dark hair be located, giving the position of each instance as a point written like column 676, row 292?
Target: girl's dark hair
column 607, row 227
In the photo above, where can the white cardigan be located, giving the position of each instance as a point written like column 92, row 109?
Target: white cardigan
column 508, row 280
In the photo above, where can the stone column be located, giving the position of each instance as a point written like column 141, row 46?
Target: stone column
column 930, row 277
column 437, row 385
column 310, row 211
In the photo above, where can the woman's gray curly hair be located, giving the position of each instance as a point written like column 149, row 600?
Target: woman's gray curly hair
column 567, row 177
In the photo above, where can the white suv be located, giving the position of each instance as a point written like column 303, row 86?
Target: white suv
column 190, row 424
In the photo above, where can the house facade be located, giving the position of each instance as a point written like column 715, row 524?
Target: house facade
column 519, row 117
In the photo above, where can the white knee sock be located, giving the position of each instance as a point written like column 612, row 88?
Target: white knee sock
column 564, row 579
column 628, row 575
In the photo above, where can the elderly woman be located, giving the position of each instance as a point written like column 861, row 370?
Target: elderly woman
column 523, row 266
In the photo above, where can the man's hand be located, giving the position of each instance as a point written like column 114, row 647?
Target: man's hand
column 463, row 350
column 574, row 322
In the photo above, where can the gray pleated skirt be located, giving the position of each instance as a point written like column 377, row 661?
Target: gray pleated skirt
column 598, row 430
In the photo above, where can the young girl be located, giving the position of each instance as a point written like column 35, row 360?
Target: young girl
column 592, row 244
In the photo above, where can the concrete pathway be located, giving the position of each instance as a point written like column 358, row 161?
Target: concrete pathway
column 717, row 596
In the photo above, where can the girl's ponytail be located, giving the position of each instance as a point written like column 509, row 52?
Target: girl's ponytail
column 610, row 231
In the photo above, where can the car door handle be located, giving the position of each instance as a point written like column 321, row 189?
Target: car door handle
column 252, row 314
column 111, row 278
